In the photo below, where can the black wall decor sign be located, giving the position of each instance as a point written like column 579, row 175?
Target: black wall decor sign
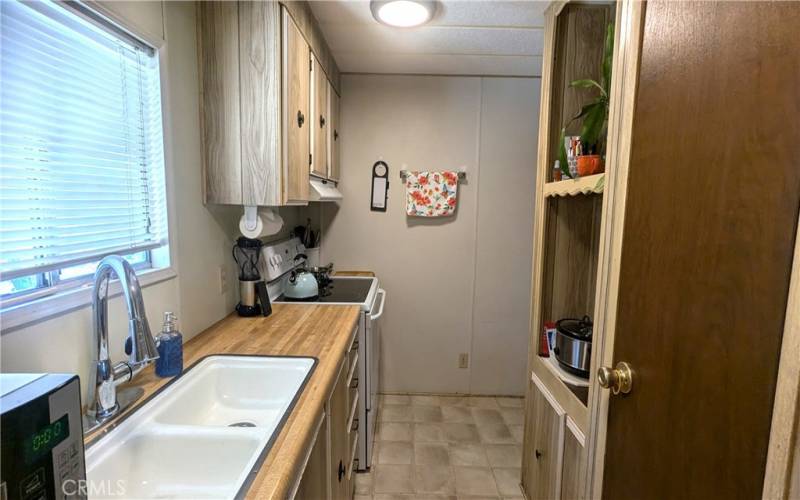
column 380, row 186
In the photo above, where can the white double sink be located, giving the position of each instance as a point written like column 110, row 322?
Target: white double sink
column 203, row 435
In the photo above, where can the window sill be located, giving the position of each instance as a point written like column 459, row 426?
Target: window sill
column 18, row 316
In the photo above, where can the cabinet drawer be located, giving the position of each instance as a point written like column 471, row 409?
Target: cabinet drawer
column 352, row 371
column 353, row 344
column 352, row 417
column 353, row 439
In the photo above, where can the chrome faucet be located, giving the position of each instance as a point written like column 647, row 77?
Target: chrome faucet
column 104, row 402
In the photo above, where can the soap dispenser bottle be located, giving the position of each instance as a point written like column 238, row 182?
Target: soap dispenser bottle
column 170, row 348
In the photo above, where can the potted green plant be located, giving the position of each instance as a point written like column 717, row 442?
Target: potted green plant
column 594, row 114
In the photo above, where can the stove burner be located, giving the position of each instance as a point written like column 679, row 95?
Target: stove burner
column 339, row 290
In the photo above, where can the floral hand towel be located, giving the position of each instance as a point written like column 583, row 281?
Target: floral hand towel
column 431, row 194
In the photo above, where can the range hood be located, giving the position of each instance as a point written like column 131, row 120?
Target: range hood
column 323, row 191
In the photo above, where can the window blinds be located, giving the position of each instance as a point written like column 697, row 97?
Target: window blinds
column 81, row 141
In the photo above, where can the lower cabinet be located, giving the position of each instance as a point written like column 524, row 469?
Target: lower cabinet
column 339, row 437
column 315, row 483
column 553, row 449
column 329, row 470
column 573, row 468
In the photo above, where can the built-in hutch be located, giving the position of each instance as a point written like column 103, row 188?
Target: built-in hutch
column 569, row 218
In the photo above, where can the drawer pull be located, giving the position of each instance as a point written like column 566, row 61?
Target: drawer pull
column 354, row 385
column 355, row 425
column 341, row 470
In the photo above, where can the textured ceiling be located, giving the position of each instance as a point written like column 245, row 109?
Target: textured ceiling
column 464, row 38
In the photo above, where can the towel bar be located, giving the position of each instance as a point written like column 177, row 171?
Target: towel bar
column 461, row 175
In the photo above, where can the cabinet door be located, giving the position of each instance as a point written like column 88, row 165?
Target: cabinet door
column 339, row 436
column 218, row 46
column 315, row 484
column 572, row 470
column 333, row 134
column 297, row 118
column 320, row 124
column 544, row 445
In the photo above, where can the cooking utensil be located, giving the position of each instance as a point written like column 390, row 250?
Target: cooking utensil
column 573, row 349
column 301, row 283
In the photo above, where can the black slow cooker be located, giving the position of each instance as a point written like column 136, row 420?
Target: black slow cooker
column 573, row 347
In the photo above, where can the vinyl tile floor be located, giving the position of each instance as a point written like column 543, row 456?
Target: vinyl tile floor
column 445, row 447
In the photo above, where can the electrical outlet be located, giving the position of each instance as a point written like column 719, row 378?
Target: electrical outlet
column 463, row 360
column 223, row 280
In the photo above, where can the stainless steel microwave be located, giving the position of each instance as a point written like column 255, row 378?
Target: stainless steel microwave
column 41, row 437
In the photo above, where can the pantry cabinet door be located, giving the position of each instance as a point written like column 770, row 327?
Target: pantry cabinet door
column 544, row 445
column 297, row 118
column 572, row 471
column 333, row 134
column 320, row 125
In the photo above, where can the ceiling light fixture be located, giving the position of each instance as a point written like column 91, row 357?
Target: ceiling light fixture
column 403, row 13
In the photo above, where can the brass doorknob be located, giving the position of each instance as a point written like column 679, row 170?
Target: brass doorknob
column 620, row 379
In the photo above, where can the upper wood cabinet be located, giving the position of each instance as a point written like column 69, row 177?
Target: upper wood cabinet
column 320, row 124
column 333, row 133
column 263, row 121
column 297, row 119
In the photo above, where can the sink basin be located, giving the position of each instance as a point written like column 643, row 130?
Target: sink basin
column 204, row 435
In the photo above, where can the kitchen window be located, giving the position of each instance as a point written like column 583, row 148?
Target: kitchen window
column 81, row 149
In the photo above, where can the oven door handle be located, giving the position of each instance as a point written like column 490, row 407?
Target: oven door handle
column 382, row 292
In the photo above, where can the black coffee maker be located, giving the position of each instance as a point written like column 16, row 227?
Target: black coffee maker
column 253, row 296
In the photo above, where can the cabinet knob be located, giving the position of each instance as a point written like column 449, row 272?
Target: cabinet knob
column 341, row 471
column 321, row 121
column 335, row 134
column 538, row 454
column 301, row 119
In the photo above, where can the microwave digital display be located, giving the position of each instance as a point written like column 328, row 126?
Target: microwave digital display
column 45, row 439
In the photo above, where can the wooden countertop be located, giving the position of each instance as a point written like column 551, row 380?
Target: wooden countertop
column 298, row 330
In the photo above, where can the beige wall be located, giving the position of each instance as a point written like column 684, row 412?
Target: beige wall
column 454, row 285
column 201, row 236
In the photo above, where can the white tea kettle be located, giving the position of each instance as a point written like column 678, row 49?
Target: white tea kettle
column 301, row 283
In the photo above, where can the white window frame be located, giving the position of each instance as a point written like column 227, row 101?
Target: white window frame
column 72, row 298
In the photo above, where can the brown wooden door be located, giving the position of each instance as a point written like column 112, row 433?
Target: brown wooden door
column 298, row 119
column 710, row 224
column 321, row 122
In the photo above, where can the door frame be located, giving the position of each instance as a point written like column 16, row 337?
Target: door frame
column 782, row 475
column 629, row 22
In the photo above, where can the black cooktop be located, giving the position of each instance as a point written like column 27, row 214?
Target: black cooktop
column 347, row 290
